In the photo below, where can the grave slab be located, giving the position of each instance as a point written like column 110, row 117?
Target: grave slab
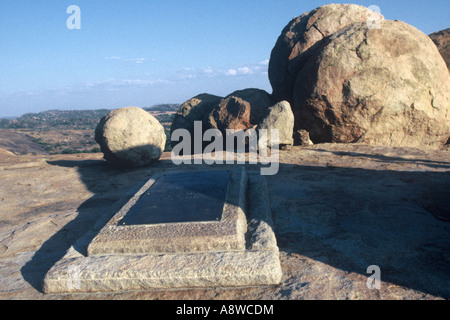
column 258, row 264
column 181, row 197
column 197, row 211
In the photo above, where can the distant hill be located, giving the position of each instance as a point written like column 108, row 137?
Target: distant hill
column 76, row 119
column 66, row 131
column 18, row 143
column 56, row 119
column 163, row 108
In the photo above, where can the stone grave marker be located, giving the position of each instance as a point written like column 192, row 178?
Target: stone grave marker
column 186, row 229
column 180, row 212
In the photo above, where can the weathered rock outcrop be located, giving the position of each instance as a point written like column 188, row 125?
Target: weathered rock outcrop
column 194, row 109
column 442, row 41
column 387, row 86
column 240, row 110
column 130, row 137
column 281, row 118
column 301, row 138
column 305, row 32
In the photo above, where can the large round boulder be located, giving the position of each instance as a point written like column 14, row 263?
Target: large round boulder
column 387, row 86
column 303, row 33
column 241, row 110
column 130, row 137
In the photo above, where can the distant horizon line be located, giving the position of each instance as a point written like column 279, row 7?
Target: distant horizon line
column 62, row 110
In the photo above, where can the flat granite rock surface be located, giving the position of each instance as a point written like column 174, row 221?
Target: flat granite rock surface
column 337, row 209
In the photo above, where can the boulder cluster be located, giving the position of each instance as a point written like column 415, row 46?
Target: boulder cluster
column 348, row 81
column 240, row 110
column 339, row 73
column 348, row 75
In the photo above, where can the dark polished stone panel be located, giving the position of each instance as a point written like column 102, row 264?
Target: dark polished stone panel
column 181, row 197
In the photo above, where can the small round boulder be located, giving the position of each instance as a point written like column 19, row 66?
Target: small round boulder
column 130, row 137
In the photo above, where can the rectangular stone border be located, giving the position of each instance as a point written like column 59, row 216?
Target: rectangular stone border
column 208, row 236
column 259, row 264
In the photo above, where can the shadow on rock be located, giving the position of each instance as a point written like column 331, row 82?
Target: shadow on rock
column 348, row 218
column 108, row 184
column 387, row 159
column 351, row 219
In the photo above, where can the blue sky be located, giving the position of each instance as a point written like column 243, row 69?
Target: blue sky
column 145, row 52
